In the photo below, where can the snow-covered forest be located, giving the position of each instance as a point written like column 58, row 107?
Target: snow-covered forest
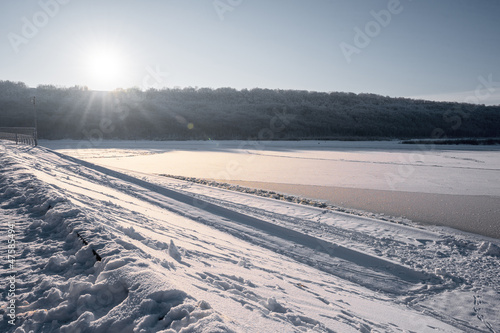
column 227, row 113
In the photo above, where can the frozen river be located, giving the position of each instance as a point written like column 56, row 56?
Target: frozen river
column 457, row 186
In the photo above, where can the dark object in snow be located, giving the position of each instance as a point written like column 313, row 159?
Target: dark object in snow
column 83, row 240
column 97, row 256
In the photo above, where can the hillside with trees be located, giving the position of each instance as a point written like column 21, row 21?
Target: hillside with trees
column 226, row 113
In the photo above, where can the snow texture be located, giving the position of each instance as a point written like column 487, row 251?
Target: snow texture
column 97, row 250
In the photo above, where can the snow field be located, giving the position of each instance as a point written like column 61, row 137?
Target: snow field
column 456, row 186
column 182, row 257
column 62, row 287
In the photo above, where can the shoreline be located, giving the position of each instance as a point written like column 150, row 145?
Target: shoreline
column 477, row 214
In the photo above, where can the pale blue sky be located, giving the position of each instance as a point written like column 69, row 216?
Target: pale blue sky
column 444, row 49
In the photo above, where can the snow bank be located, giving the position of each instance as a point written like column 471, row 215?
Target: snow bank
column 288, row 198
column 71, row 276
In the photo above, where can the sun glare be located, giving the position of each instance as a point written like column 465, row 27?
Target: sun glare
column 105, row 68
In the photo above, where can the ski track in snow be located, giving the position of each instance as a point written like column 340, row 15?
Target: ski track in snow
column 99, row 250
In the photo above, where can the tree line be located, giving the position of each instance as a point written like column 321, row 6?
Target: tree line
column 230, row 114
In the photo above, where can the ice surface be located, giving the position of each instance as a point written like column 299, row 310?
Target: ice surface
column 383, row 165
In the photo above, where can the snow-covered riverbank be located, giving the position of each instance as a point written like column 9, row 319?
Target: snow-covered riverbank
column 457, row 186
column 106, row 251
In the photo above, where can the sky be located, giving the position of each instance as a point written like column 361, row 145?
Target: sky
column 438, row 50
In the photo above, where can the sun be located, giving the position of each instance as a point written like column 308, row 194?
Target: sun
column 105, row 68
